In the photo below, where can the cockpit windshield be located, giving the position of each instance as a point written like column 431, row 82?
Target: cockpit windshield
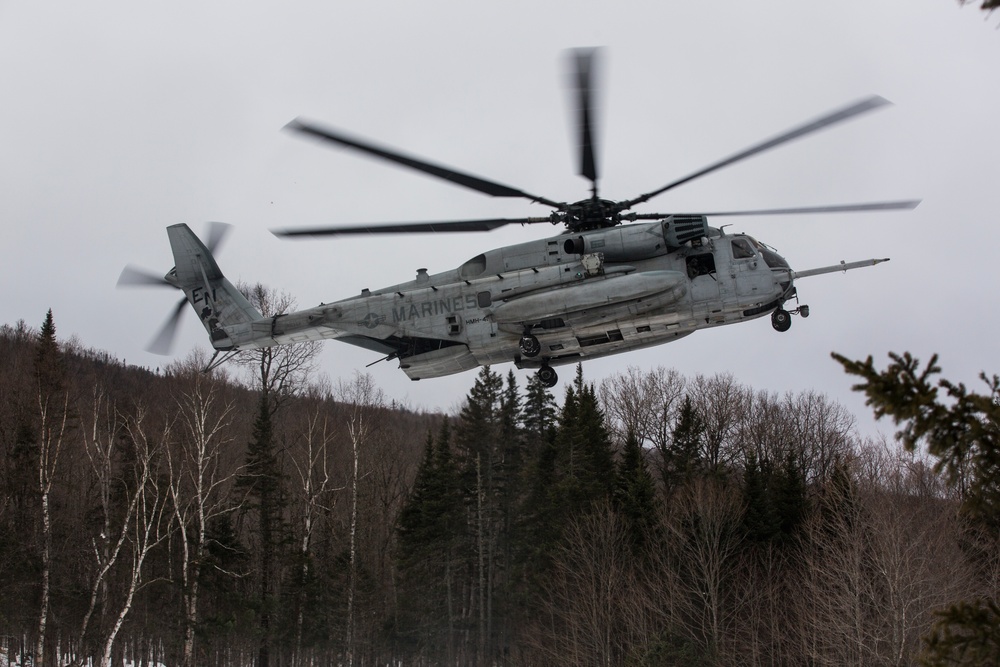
column 770, row 255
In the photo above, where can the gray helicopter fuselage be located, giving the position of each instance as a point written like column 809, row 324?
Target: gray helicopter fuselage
column 582, row 295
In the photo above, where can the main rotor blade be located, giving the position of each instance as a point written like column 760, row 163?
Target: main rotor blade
column 410, row 227
column 491, row 188
column 841, row 208
column 828, row 120
column 133, row 276
column 582, row 79
column 165, row 338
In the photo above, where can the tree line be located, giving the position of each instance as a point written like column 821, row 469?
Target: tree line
column 271, row 517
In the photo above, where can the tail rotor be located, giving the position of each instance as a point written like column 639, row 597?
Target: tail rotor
column 133, row 276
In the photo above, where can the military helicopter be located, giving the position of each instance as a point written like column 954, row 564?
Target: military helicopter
column 615, row 280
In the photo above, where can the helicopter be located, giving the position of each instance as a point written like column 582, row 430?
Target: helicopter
column 614, row 280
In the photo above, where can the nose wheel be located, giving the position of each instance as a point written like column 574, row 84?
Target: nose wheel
column 781, row 319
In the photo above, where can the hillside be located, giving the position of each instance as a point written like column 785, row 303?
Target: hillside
column 654, row 519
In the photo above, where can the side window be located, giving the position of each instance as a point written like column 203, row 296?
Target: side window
column 484, row 299
column 474, row 267
column 742, row 249
column 700, row 265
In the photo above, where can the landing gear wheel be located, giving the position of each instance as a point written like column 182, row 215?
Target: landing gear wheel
column 547, row 376
column 530, row 347
column 781, row 320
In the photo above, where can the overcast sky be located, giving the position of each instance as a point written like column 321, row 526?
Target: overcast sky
column 118, row 119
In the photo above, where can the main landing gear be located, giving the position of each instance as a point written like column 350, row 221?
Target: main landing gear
column 547, row 376
column 530, row 347
column 781, row 319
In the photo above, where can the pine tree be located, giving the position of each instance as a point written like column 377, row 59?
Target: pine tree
column 573, row 474
column 538, row 415
column 585, row 445
column 635, row 496
column 681, row 459
column 775, row 499
column 791, row 504
column 53, row 419
column 759, row 519
column 483, row 448
column 963, row 433
column 261, row 481
column 50, row 369
column 431, row 528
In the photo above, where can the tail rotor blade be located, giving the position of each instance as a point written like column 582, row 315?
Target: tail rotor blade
column 133, row 276
column 217, row 232
column 164, row 339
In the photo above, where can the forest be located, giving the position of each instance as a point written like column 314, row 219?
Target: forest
column 263, row 515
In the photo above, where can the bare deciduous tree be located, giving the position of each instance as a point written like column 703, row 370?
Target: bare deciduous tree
column 721, row 402
column 824, row 430
column 363, row 402
column 279, row 372
column 310, row 455
column 53, row 413
column 704, row 525
column 643, row 402
column 146, row 528
column 589, row 598
column 199, row 484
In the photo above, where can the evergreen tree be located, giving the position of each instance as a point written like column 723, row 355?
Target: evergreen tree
column 573, row 474
column 682, row 457
column 635, row 496
column 50, row 369
column 52, row 420
column 223, row 603
column 431, row 528
column 486, row 439
column 775, row 499
column 963, row 433
column 968, row 633
column 585, row 446
column 759, row 519
column 790, row 498
column 261, row 481
column 538, row 415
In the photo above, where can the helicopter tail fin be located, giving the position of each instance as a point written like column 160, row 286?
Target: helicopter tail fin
column 216, row 300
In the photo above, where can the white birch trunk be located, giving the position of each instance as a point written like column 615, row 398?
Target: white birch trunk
column 146, row 527
column 49, row 446
column 357, row 427
column 196, row 490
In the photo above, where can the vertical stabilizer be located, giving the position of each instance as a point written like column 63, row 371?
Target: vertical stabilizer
column 216, row 301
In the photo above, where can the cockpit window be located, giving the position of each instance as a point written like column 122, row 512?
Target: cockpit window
column 771, row 257
column 742, row 249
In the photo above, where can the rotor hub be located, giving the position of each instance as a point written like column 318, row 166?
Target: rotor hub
column 592, row 213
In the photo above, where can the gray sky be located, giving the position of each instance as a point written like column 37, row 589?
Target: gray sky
column 121, row 118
